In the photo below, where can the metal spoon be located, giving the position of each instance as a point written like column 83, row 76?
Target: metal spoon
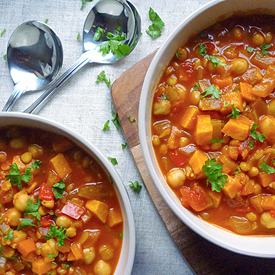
column 34, row 57
column 108, row 15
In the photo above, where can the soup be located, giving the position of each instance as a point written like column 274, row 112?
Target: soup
column 213, row 124
column 59, row 211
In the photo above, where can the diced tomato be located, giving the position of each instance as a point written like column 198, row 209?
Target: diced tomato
column 209, row 47
column 176, row 105
column 244, row 209
column 46, row 221
column 46, row 193
column 196, row 197
column 188, row 69
column 272, row 213
column 178, row 158
column 73, row 211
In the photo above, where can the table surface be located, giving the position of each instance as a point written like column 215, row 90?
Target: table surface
column 84, row 106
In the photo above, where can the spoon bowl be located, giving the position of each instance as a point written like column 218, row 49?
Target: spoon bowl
column 109, row 15
column 34, row 57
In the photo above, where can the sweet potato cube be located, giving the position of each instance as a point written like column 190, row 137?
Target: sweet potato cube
column 236, row 129
column 266, row 179
column 77, row 251
column 216, row 197
column 114, row 217
column 61, row 165
column 268, row 128
column 223, row 82
column 252, row 76
column 233, row 97
column 210, row 104
column 246, row 92
column 40, row 266
column 267, row 84
column 189, row 118
column 197, row 161
column 20, row 164
column 204, row 130
column 232, row 187
column 100, row 209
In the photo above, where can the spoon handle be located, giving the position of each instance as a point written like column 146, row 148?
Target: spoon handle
column 18, row 90
column 34, row 108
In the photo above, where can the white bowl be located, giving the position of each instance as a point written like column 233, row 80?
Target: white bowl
column 126, row 260
column 204, row 17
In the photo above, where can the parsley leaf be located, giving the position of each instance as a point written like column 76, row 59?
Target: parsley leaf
column 124, row 145
column 215, row 60
column 52, row 255
column 113, row 160
column 46, row 21
column 251, row 144
column 238, row 171
column 154, row 30
column 164, row 96
column 106, row 126
column 5, row 57
column 102, row 77
column 197, row 86
column 68, row 264
column 217, row 140
column 213, row 171
column 264, row 48
column 78, row 36
column 255, row 134
column 115, row 119
column 58, row 189
column 178, row 54
column 268, row 169
column 250, row 49
column 25, row 223
column 59, row 234
column 211, row 90
column 15, row 177
column 121, row 236
column 135, row 186
column 98, row 33
column 9, row 235
column 2, row 33
column 131, row 120
column 202, row 50
column 83, row 3
column 32, row 209
column 36, row 164
column 235, row 112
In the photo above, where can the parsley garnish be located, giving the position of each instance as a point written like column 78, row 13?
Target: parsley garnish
column 46, row 21
column 203, row 34
column 268, row 169
column 215, row 60
column 36, row 164
column 238, row 171
column 52, row 255
column 78, row 36
column 115, row 119
column 178, row 54
column 255, row 134
column 251, row 144
column 113, row 160
column 106, row 126
column 217, row 140
column 25, row 223
column 121, row 236
column 124, row 145
column 15, row 177
column 9, row 235
column 213, row 171
column 98, row 33
column 154, row 30
column 2, row 33
column 202, row 50
column 5, row 57
column 102, row 77
column 250, row 49
column 197, row 86
column 264, row 48
column 68, row 264
column 32, row 209
column 84, row 2
column 59, row 234
column 235, row 112
column 164, row 96
column 135, row 186
column 131, row 120
column 58, row 189
column 211, row 90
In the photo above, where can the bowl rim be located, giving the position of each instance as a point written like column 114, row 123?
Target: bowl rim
column 129, row 234
column 241, row 243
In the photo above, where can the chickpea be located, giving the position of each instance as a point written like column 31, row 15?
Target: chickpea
column 85, row 162
column 257, row 189
column 102, row 268
column 267, row 220
column 12, row 217
column 106, row 252
column 71, row 232
column 253, row 172
column 78, row 156
column 176, row 178
column 64, row 221
column 162, row 108
column 49, row 248
column 271, row 107
column 20, row 200
column 258, row 39
column 182, row 54
column 195, row 97
column 36, row 150
column 3, row 157
column 156, row 140
column 181, row 90
column 239, row 66
column 251, row 216
column 216, row 146
column 172, row 80
column 26, row 157
column 6, row 185
column 17, row 143
column 89, row 255
column 268, row 38
column 61, row 270
column 184, row 141
column 19, row 236
column 48, row 204
column 169, row 70
column 245, row 166
column 238, row 33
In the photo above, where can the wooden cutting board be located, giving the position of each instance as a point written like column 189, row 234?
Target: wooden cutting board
column 204, row 257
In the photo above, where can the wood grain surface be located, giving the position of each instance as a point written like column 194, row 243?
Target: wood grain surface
column 204, row 257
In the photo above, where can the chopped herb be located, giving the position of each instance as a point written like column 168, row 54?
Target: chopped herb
column 211, row 90
column 84, row 2
column 268, row 169
column 124, row 145
column 9, row 235
column 255, row 134
column 68, row 264
column 155, row 29
column 113, row 160
column 58, row 233
column 131, row 120
column 202, row 50
column 116, row 121
column 164, row 96
column 102, row 77
column 32, row 209
column 52, row 255
column 78, row 36
column 5, row 57
column 197, row 86
column 25, row 223
column 178, row 54
column 135, row 186
column 58, row 189
column 98, row 33
column 215, row 60
column 2, row 33
column 238, row 171
column 15, row 177
column 121, row 236
column 250, row 49
column 1, row 205
column 235, row 112
column 29, row 265
column 106, row 126
column 264, row 48
column 46, row 21
column 213, row 171
column 203, row 34
column 36, row 164
column 251, row 144
column 217, row 140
